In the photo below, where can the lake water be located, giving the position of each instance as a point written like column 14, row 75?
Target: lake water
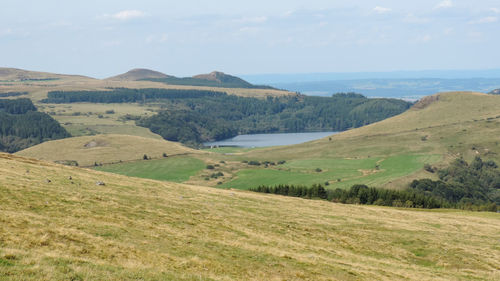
column 262, row 140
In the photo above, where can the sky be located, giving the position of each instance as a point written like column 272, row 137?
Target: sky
column 104, row 38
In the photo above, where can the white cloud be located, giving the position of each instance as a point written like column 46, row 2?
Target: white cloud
column 444, row 4
column 484, row 20
column 495, row 10
column 381, row 10
column 126, row 15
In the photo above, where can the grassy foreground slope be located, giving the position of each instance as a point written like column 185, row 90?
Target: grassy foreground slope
column 71, row 228
column 104, row 149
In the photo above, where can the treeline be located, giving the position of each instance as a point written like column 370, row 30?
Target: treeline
column 358, row 194
column 464, row 184
column 126, row 95
column 21, row 126
column 12, row 94
column 474, row 186
column 17, row 106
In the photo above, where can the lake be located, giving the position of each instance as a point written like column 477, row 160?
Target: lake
column 262, row 140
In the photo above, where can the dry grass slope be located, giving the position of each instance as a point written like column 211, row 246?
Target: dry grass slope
column 104, row 149
column 134, row 229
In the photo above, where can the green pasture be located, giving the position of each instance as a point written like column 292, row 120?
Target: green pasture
column 339, row 172
column 176, row 169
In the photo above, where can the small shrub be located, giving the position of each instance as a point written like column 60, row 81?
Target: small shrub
column 428, row 168
column 164, row 154
column 254, row 163
column 145, row 157
column 210, row 167
column 318, row 170
column 111, row 111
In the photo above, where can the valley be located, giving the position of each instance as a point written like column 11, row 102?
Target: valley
column 117, row 201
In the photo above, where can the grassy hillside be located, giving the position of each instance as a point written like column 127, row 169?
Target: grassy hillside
column 139, row 74
column 71, row 228
column 213, row 79
column 21, row 75
column 447, row 125
column 176, row 169
column 104, row 149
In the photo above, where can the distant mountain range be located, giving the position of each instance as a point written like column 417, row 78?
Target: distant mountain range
column 213, row 79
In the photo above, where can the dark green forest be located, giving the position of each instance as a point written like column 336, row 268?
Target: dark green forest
column 464, row 184
column 12, row 94
column 474, row 186
column 220, row 117
column 195, row 116
column 21, row 126
column 126, row 95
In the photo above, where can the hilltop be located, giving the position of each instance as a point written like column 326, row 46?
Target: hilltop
column 58, row 224
column 104, row 149
column 14, row 74
column 213, row 79
column 139, row 74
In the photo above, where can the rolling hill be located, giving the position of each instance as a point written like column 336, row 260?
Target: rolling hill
column 139, row 74
column 213, row 79
column 104, row 149
column 58, row 224
column 14, row 74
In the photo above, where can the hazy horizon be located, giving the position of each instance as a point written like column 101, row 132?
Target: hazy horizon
column 105, row 38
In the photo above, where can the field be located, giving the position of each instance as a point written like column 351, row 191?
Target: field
column 339, row 173
column 82, row 119
column 69, row 228
column 175, row 169
column 105, row 149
